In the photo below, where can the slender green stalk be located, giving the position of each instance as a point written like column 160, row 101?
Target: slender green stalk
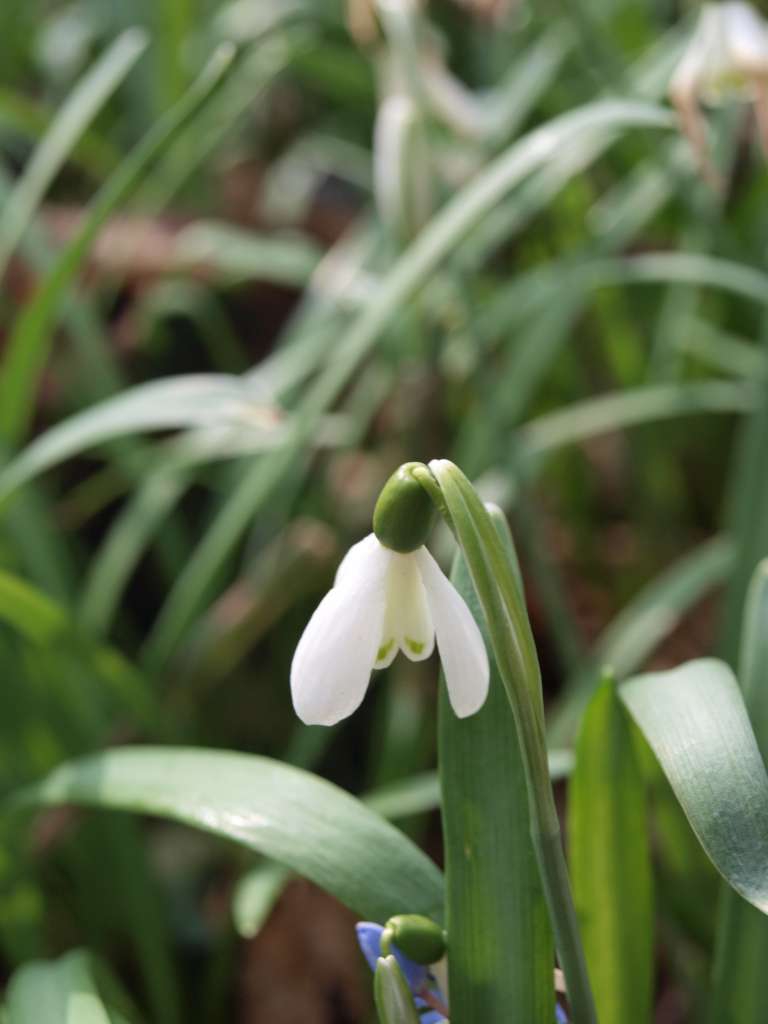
column 515, row 652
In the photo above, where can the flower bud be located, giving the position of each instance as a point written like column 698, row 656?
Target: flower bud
column 403, row 514
column 394, row 1002
column 420, row 939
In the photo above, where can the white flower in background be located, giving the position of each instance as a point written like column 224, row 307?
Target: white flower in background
column 727, row 56
column 382, row 602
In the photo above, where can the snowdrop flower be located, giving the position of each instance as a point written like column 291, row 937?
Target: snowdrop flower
column 727, row 55
column 384, row 601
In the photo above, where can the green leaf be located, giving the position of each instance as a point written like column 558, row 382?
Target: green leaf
column 237, row 255
column 434, row 245
column 695, row 721
column 500, row 951
column 610, row 861
column 74, row 989
column 255, row 895
column 631, row 407
column 509, row 631
column 188, row 400
column 44, row 622
column 289, row 815
column 71, row 120
column 652, row 614
column 739, row 978
column 29, row 342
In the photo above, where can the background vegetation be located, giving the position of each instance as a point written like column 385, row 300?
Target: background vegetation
column 470, row 230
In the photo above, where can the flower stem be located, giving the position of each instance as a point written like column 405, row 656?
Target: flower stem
column 504, row 609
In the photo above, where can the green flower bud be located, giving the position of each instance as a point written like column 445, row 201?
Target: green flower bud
column 403, row 514
column 394, row 1000
column 420, row 939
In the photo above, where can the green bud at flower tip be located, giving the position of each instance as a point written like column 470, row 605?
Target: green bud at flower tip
column 420, row 939
column 403, row 514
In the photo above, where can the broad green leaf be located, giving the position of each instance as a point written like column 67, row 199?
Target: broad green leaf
column 74, row 989
column 696, row 723
column 610, row 861
column 289, row 815
column 740, row 980
column 500, row 950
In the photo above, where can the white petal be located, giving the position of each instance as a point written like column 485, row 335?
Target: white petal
column 747, row 38
column 705, row 58
column 333, row 660
column 408, row 608
column 388, row 644
column 459, row 641
column 356, row 559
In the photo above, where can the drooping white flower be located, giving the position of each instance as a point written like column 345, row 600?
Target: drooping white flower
column 727, row 55
column 382, row 602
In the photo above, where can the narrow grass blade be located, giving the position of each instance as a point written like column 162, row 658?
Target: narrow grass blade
column 72, row 119
column 255, row 895
column 76, row 989
column 651, row 615
column 175, row 22
column 740, row 981
column 31, row 119
column 628, row 408
column 500, row 947
column 289, row 815
column 235, row 255
column 30, row 339
column 45, row 623
column 434, row 245
column 747, row 512
column 190, row 400
column 696, row 723
column 610, row 861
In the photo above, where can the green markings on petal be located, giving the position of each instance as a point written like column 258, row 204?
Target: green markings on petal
column 384, row 650
column 415, row 646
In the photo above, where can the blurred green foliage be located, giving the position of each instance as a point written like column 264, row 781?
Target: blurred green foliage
column 373, row 235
